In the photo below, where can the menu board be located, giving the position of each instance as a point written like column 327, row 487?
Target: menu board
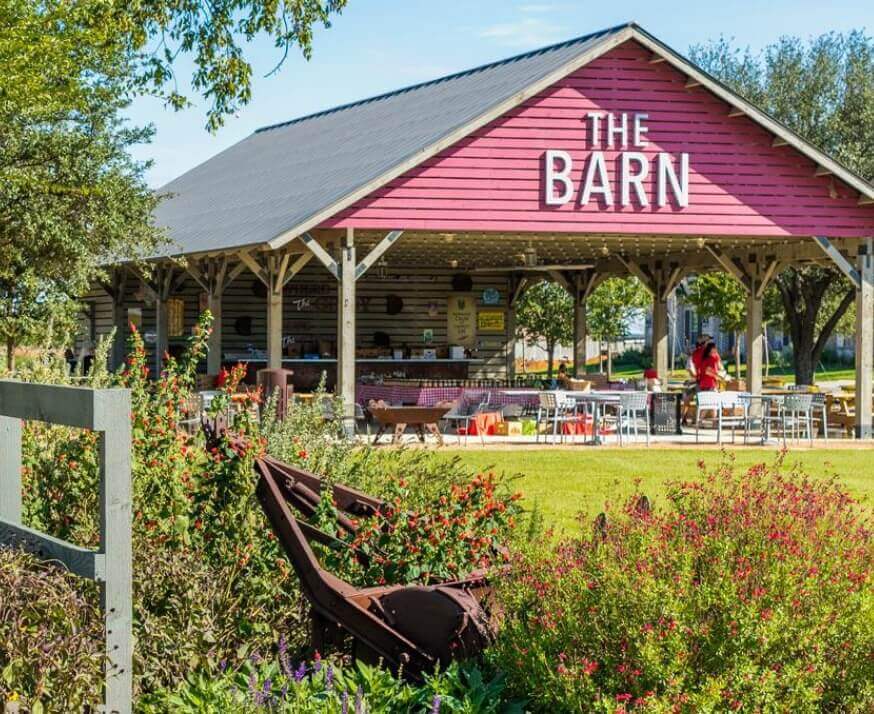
column 490, row 321
column 461, row 320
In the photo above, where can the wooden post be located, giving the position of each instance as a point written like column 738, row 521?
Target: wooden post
column 119, row 318
column 864, row 340
column 162, row 340
column 274, row 314
column 106, row 411
column 116, row 589
column 510, row 345
column 660, row 336
column 10, row 469
column 755, row 343
column 581, row 336
column 214, row 356
column 346, row 337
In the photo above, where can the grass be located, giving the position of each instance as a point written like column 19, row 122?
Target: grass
column 566, row 482
column 824, row 373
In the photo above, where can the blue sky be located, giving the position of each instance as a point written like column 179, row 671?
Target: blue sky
column 380, row 45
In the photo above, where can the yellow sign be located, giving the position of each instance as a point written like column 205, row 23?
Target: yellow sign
column 491, row 321
column 461, row 320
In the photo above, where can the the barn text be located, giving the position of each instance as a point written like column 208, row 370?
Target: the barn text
column 616, row 131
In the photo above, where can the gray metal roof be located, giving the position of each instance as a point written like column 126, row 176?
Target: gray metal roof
column 287, row 178
column 273, row 181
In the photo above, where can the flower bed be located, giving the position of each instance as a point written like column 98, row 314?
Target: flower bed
column 747, row 591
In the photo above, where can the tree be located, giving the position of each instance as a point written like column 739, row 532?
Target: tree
column 72, row 199
column 719, row 295
column 545, row 312
column 824, row 90
column 610, row 309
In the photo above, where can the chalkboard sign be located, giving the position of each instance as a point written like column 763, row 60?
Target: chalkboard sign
column 461, row 320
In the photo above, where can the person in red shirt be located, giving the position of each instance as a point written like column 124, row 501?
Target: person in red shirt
column 709, row 368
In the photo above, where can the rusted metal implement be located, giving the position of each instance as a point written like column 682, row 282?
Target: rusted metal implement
column 422, row 418
column 411, row 628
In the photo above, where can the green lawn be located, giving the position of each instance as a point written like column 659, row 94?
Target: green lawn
column 565, row 482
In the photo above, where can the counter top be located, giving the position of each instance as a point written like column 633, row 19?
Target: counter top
column 332, row 360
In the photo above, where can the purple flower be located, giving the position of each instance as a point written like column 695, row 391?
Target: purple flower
column 300, row 672
column 223, row 665
column 284, row 661
column 317, row 665
column 329, row 677
column 435, row 704
column 359, row 701
column 344, row 703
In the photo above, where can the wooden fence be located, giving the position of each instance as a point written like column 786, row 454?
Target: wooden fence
column 106, row 411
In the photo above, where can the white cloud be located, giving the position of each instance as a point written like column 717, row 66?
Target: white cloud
column 529, row 32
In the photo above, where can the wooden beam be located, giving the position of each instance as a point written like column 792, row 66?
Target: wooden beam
column 691, row 83
column 865, row 341
column 200, row 276
column 656, row 59
column 865, row 200
column 257, row 269
column 673, row 278
column 559, row 277
column 779, row 141
column 323, row 256
column 735, row 112
column 731, row 267
column 765, row 279
column 844, row 265
column 235, row 273
column 638, row 272
column 297, row 266
column 378, row 251
column 822, row 171
column 521, row 283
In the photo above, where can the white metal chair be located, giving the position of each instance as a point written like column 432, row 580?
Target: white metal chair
column 461, row 416
column 716, row 403
column 555, row 408
column 631, row 408
column 796, row 413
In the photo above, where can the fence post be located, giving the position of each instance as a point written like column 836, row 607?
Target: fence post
column 10, row 469
column 106, row 411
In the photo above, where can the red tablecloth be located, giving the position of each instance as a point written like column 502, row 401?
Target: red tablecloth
column 484, row 423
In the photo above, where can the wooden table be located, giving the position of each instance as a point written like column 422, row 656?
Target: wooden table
column 422, row 418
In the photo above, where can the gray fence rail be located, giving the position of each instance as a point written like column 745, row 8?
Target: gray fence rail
column 106, row 411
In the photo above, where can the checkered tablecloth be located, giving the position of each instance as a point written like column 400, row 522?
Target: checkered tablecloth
column 406, row 394
column 429, row 396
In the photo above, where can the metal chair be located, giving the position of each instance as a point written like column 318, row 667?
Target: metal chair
column 797, row 412
column 462, row 415
column 820, row 404
column 554, row 409
column 717, row 403
column 632, row 406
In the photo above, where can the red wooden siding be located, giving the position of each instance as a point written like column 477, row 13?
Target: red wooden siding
column 739, row 184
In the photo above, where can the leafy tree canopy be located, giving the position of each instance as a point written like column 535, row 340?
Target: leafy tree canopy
column 544, row 313
column 72, row 199
column 824, row 90
column 613, row 305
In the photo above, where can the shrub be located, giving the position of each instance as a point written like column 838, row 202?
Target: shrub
column 51, row 636
column 749, row 590
column 442, row 520
column 321, row 687
column 209, row 579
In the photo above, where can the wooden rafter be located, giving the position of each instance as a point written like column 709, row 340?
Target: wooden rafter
column 321, row 254
column 731, row 267
column 639, row 272
column 844, row 265
column 376, row 253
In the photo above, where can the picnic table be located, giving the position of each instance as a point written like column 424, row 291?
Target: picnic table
column 421, row 418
